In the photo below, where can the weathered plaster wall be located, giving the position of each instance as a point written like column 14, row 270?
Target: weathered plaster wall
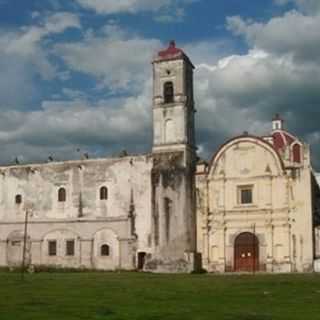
column 173, row 122
column 280, row 214
column 83, row 216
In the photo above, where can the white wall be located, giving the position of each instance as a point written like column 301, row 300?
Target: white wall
column 83, row 214
column 280, row 214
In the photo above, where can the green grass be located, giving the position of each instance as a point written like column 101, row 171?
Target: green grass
column 138, row 296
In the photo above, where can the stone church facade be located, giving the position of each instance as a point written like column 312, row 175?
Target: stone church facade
column 118, row 213
column 258, row 205
column 161, row 211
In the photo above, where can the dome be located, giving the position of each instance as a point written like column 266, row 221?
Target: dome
column 282, row 139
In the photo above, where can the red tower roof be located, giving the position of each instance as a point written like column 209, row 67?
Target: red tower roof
column 171, row 53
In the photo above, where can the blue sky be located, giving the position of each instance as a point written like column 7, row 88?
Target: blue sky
column 76, row 74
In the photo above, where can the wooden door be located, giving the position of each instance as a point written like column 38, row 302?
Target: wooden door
column 246, row 253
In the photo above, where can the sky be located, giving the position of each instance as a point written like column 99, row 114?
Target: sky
column 75, row 76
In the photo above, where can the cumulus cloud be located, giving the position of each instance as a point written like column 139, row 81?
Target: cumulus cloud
column 116, row 6
column 16, row 82
column 23, row 58
column 249, row 89
column 26, row 42
column 280, row 73
column 119, row 61
column 234, row 93
column 72, row 119
column 176, row 15
column 102, row 128
column 293, row 34
column 306, row 6
column 128, row 6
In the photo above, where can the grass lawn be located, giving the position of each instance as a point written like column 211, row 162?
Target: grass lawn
column 138, row 296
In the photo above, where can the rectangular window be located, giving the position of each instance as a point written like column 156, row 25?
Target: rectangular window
column 52, row 248
column 245, row 195
column 70, row 248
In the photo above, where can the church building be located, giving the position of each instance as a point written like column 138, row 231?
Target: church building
column 251, row 208
column 131, row 212
column 258, row 205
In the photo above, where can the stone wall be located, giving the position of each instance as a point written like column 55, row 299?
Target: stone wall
column 82, row 217
column 280, row 214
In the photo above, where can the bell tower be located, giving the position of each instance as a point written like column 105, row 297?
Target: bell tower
column 173, row 104
column 173, row 230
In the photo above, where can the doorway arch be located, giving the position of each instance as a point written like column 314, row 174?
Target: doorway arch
column 246, row 253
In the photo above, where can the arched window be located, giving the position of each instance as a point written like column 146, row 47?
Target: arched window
column 62, row 195
column 168, row 92
column 105, row 250
column 103, row 193
column 18, row 199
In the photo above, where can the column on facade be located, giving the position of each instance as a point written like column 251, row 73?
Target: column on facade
column 205, row 246
column 3, row 252
column 269, row 241
column 221, row 248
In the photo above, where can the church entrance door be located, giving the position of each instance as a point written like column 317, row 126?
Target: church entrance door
column 246, row 253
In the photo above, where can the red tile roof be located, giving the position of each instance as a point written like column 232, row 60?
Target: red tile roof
column 171, row 52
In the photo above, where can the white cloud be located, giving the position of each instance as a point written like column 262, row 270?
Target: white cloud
column 293, row 34
column 242, row 93
column 66, row 125
column 23, row 57
column 165, row 11
column 129, row 6
column 306, row 6
column 118, row 60
column 280, row 73
column 27, row 40
column 26, row 43
column 208, row 51
column 175, row 16
column 16, row 82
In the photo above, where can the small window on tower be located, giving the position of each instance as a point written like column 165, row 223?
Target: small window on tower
column 103, row 193
column 168, row 92
column 18, row 199
column 62, row 195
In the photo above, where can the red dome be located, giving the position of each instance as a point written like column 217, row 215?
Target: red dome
column 282, row 139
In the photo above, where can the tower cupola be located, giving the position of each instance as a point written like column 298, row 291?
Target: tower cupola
column 277, row 122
